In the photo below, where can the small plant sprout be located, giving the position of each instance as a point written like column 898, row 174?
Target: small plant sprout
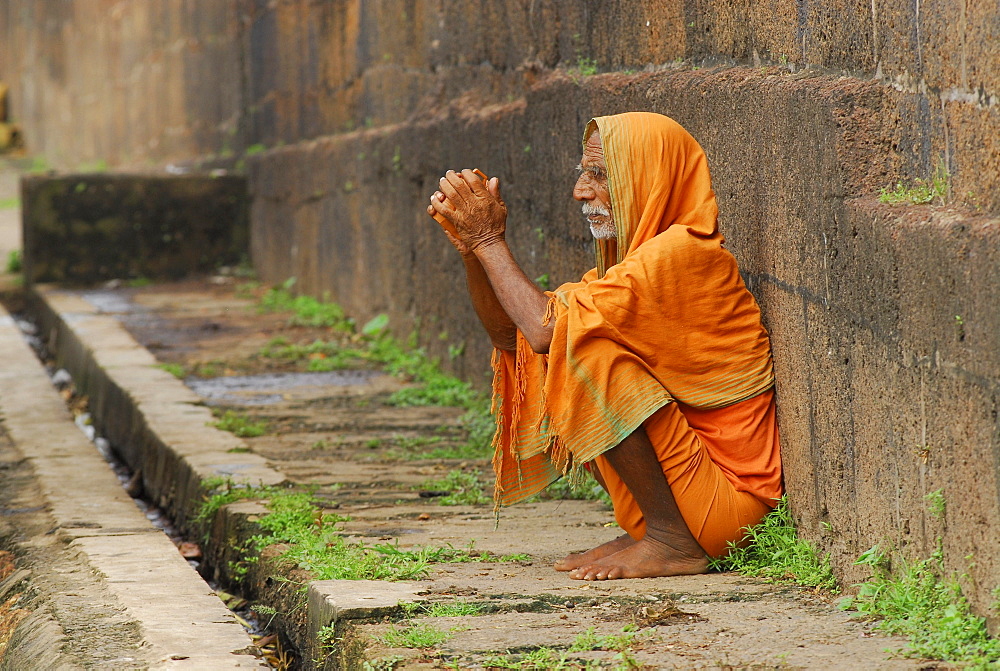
column 454, row 609
column 922, row 192
column 14, row 263
column 936, row 504
column 916, row 600
column 464, row 489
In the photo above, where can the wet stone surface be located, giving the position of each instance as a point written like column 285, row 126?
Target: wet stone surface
column 369, row 460
column 269, row 388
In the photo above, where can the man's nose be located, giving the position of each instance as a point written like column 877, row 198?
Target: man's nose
column 583, row 190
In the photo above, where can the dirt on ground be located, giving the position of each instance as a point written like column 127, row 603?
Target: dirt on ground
column 367, row 459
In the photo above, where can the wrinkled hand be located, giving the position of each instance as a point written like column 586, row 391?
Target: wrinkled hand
column 473, row 207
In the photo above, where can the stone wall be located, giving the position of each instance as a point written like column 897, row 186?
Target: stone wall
column 86, row 229
column 130, row 82
column 885, row 320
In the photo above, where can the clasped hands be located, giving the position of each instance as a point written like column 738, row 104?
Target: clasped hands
column 473, row 207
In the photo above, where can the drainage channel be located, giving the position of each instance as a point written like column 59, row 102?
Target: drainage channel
column 61, row 379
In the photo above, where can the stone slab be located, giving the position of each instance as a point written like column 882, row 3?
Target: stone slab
column 152, row 418
column 184, row 625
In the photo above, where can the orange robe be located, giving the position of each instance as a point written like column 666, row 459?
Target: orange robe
column 662, row 334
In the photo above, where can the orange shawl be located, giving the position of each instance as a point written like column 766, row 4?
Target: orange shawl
column 665, row 316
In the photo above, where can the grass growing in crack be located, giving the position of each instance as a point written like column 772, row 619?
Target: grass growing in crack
column 922, row 192
column 590, row 640
column 414, row 636
column 540, row 658
column 174, row 369
column 306, row 310
column 314, row 542
column 551, row 659
column 465, row 488
column 374, row 345
column 449, row 554
column 240, row 425
column 452, row 609
column 916, row 600
column 223, row 491
column 772, row 550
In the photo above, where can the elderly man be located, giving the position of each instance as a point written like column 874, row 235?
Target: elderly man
column 653, row 372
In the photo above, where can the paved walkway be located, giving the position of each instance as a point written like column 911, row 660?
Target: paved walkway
column 344, row 438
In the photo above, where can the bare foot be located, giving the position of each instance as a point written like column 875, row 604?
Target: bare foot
column 647, row 558
column 570, row 562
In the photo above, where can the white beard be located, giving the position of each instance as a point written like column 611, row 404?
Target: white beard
column 602, row 230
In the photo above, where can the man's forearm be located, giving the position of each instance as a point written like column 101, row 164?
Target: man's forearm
column 520, row 299
column 498, row 324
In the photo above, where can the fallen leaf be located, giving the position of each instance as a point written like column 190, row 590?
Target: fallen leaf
column 189, row 550
column 265, row 641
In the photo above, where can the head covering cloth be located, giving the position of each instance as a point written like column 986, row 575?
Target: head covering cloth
column 664, row 316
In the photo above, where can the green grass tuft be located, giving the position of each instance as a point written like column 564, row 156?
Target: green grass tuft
column 917, row 602
column 466, row 489
column 590, row 640
column 773, row 551
column 586, row 66
column 306, row 310
column 174, row 369
column 14, row 261
column 240, row 425
column 414, row 636
column 922, row 192
column 453, row 609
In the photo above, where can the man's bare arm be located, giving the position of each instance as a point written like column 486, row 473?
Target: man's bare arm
column 495, row 320
column 479, row 215
column 518, row 295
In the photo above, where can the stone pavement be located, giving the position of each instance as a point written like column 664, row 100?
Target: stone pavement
column 112, row 587
column 344, row 438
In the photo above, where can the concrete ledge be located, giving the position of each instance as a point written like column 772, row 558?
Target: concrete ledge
column 183, row 624
column 332, row 600
column 154, row 422
column 333, row 603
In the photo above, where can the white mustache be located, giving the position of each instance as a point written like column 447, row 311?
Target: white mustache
column 589, row 209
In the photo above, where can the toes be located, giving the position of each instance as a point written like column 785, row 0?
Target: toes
column 591, row 572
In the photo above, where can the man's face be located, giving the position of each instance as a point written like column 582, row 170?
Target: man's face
column 592, row 189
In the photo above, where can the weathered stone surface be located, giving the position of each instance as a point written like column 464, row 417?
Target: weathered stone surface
column 163, row 80
column 81, row 229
